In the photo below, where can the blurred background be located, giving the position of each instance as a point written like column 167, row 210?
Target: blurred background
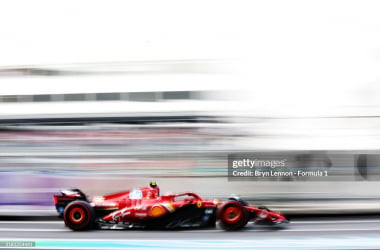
column 107, row 96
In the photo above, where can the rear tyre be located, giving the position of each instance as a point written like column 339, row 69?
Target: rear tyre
column 79, row 216
column 233, row 216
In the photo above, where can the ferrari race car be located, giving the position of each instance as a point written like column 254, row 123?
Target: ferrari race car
column 145, row 208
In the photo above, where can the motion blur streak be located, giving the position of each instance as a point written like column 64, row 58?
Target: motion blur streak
column 114, row 136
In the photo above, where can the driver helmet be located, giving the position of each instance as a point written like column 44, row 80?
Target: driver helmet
column 153, row 184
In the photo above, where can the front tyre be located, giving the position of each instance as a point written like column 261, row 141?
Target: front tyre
column 79, row 216
column 233, row 216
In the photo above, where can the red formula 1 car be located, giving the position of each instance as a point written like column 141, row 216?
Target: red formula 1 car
column 145, row 208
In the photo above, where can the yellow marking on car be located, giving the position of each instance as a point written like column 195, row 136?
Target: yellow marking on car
column 199, row 204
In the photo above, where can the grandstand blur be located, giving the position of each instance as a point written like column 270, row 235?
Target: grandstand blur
column 110, row 126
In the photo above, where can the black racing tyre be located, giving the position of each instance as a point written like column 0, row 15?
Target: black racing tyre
column 79, row 216
column 232, row 216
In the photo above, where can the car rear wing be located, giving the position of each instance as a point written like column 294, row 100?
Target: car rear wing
column 67, row 196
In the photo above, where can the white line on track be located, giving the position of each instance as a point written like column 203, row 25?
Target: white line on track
column 32, row 230
column 331, row 229
column 30, row 222
column 335, row 221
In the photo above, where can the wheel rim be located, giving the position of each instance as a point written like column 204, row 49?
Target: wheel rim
column 77, row 215
column 232, row 214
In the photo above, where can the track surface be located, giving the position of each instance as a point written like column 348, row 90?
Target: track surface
column 344, row 233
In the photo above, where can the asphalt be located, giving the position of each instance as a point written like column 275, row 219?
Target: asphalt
column 360, row 232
